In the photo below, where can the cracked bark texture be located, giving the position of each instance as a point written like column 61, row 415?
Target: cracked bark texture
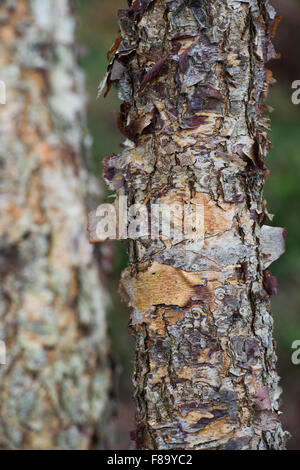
column 192, row 78
column 54, row 389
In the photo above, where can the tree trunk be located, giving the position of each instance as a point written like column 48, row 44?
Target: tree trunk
column 54, row 389
column 193, row 80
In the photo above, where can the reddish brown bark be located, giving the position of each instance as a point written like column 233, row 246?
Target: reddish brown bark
column 192, row 78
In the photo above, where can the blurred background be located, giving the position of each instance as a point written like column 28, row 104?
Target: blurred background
column 97, row 31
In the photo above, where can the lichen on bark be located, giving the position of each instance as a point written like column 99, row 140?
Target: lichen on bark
column 192, row 78
column 55, row 387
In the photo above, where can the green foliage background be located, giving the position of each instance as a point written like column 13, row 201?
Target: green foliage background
column 98, row 29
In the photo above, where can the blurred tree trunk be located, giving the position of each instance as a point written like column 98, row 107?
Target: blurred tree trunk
column 54, row 390
column 193, row 80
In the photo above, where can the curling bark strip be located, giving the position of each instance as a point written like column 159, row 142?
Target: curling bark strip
column 193, row 81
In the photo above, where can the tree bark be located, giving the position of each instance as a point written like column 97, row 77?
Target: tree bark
column 192, row 78
column 54, row 389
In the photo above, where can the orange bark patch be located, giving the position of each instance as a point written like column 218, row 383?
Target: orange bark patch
column 165, row 285
column 216, row 219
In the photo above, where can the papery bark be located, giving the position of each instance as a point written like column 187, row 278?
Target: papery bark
column 55, row 387
column 192, row 78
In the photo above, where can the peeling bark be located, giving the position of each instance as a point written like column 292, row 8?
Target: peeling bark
column 192, row 78
column 54, row 389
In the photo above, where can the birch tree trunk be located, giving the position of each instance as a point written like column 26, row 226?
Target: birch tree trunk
column 54, row 389
column 192, row 78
